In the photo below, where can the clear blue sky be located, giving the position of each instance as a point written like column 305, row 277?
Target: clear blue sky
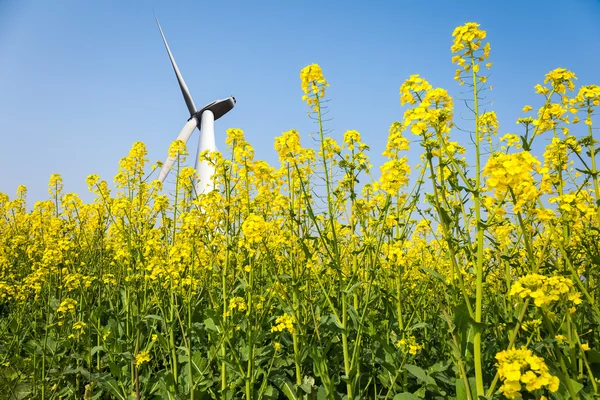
column 80, row 81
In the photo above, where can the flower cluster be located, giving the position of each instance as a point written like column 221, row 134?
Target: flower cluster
column 394, row 175
column 488, row 124
column 546, row 290
column 290, row 150
column 469, row 50
column 282, row 323
column 313, row 85
column 432, row 109
column 396, row 141
column 409, row 346
column 550, row 116
column 412, row 88
column 254, row 228
column 587, row 98
column 561, row 80
column 518, row 367
column 67, row 305
column 141, row 358
column 237, row 303
column 508, row 173
column 79, row 326
column 579, row 204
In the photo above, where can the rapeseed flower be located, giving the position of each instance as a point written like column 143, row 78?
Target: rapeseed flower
column 284, row 322
column 313, row 84
column 142, row 358
column 546, row 290
column 518, row 367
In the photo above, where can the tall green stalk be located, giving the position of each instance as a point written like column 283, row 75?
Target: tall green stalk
column 477, row 355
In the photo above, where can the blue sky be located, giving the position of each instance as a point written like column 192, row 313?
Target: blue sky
column 80, row 81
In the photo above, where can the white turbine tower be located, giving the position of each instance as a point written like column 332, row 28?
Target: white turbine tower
column 203, row 119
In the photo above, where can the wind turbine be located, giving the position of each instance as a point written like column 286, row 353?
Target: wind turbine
column 203, row 119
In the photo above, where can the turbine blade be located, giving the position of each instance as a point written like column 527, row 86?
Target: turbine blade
column 184, row 89
column 184, row 135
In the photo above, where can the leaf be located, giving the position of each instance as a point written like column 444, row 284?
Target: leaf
column 461, row 390
column 22, row 391
column 418, row 373
column 322, row 393
column 406, row 396
column 115, row 370
column 111, row 386
column 435, row 274
column 420, row 325
column 270, row 393
column 154, row 317
column 331, row 323
column 210, row 325
column 439, row 366
column 593, row 356
column 96, row 349
column 286, row 387
column 308, row 383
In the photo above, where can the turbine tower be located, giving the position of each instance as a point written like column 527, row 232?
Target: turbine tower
column 203, row 119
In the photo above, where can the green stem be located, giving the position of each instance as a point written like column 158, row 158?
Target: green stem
column 345, row 345
column 477, row 355
column 561, row 360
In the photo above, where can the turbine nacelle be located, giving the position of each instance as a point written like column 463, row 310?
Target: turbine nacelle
column 218, row 108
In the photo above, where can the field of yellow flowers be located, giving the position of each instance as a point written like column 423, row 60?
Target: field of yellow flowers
column 311, row 279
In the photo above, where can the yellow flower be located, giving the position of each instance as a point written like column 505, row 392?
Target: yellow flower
column 141, row 358
column 468, row 49
column 506, row 172
column 55, row 185
column 79, row 326
column 254, row 228
column 517, row 367
column 560, row 338
column 67, row 305
column 561, row 79
column 284, row 322
column 409, row 346
column 546, row 290
column 394, row 175
column 237, row 303
column 178, row 148
column 313, row 84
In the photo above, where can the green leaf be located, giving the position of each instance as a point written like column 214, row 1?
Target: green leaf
column 307, row 384
column 420, row 325
column 210, row 325
column 461, row 390
column 593, row 357
column 331, row 323
column 22, row 391
column 115, row 370
column 418, row 373
column 96, row 349
column 286, row 387
column 435, row 274
column 270, row 393
column 154, row 317
column 406, row 396
column 111, row 386
column 322, row 393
